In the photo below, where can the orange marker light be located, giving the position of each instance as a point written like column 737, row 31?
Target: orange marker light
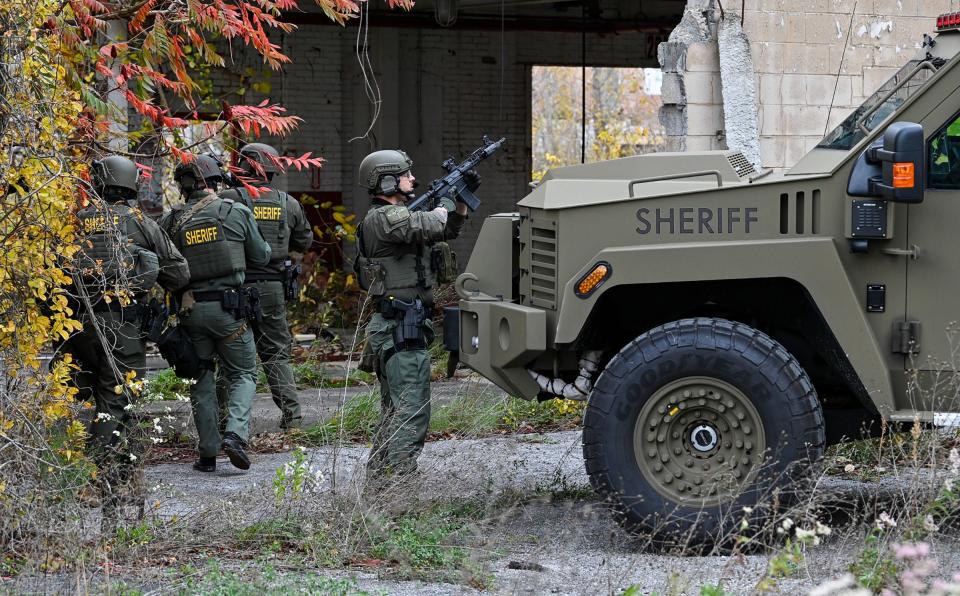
column 903, row 175
column 592, row 280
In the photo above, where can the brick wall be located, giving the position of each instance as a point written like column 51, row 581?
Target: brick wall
column 441, row 92
column 804, row 74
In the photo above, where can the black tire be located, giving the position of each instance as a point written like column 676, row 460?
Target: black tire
column 732, row 355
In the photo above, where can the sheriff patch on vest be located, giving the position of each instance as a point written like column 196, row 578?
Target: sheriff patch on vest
column 201, row 236
column 264, row 213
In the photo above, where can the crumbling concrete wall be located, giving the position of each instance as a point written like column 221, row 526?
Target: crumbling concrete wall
column 813, row 63
column 692, row 111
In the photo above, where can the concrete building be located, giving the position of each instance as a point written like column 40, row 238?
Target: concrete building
column 434, row 80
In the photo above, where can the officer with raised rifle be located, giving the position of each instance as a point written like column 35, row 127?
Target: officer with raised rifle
column 401, row 256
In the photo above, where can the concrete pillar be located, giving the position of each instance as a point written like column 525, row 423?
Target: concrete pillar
column 116, row 100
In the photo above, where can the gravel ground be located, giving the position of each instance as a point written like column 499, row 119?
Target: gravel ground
column 559, row 540
column 573, row 544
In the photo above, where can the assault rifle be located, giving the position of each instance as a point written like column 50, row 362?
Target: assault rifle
column 455, row 182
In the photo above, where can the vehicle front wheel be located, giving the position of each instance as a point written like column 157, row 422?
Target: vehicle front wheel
column 696, row 420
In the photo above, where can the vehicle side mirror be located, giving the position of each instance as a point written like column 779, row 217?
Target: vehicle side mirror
column 902, row 163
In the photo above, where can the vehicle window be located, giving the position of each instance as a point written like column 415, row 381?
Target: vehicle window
column 944, row 157
column 849, row 132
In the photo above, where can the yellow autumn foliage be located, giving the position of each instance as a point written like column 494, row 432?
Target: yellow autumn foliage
column 40, row 173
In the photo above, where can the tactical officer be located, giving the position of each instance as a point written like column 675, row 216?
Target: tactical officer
column 397, row 265
column 122, row 254
column 218, row 237
column 285, row 228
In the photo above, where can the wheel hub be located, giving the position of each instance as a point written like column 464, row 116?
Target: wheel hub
column 699, row 440
column 704, row 438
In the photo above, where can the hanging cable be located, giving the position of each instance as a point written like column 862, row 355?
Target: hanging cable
column 583, row 82
column 370, row 85
column 836, row 82
column 503, row 18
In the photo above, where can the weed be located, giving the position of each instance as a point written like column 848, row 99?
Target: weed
column 422, row 542
column 264, row 579
column 166, row 386
column 314, row 374
column 874, row 569
column 296, row 478
column 357, row 421
column 133, row 536
column 712, row 590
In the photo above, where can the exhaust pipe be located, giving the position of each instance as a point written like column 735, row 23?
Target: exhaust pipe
column 580, row 388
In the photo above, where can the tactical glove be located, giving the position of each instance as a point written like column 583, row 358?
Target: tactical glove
column 472, row 178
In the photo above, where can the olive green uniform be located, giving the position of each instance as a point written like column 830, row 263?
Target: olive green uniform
column 100, row 372
column 218, row 241
column 285, row 228
column 397, row 242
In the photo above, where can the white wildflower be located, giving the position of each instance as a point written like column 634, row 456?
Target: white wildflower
column 849, row 468
column 807, row 535
column 103, row 416
column 133, row 457
column 787, row 523
column 822, row 529
column 127, row 407
column 156, row 440
column 885, row 521
column 748, row 510
column 929, row 525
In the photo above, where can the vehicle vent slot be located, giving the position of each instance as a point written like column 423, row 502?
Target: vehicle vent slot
column 538, row 248
column 741, row 164
column 800, row 213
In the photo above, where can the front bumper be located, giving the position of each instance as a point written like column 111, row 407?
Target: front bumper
column 499, row 339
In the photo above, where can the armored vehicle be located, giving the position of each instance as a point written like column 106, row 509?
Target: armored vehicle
column 725, row 324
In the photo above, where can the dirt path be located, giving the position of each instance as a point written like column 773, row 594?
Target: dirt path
column 561, row 536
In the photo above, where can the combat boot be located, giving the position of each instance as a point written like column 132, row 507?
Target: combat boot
column 205, row 464
column 233, row 446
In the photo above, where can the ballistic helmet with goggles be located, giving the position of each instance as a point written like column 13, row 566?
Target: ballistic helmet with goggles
column 260, row 153
column 202, row 172
column 116, row 174
column 381, row 170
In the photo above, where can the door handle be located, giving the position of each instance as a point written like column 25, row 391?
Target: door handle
column 913, row 252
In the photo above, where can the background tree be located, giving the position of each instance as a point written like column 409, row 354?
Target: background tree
column 622, row 118
column 68, row 68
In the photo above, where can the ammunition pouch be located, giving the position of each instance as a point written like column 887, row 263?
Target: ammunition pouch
column 250, row 304
column 443, row 261
column 291, row 280
column 177, row 349
column 367, row 359
column 154, row 320
column 243, row 303
column 370, row 275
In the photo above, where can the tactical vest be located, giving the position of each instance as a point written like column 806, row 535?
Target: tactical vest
column 108, row 257
column 270, row 211
column 204, row 245
column 404, row 274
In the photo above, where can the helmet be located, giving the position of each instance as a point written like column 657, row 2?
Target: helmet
column 258, row 152
column 115, row 171
column 380, row 171
column 201, row 168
